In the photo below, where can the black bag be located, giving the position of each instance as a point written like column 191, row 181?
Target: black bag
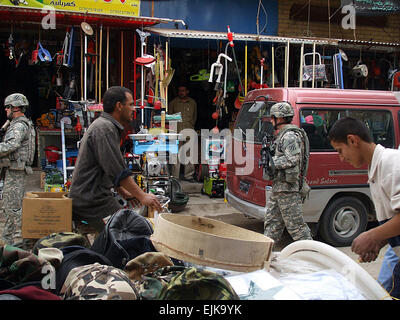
column 125, row 236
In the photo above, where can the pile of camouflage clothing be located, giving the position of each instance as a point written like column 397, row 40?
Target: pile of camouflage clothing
column 122, row 264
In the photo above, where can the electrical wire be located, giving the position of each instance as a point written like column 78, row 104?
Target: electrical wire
column 266, row 17
column 260, row 5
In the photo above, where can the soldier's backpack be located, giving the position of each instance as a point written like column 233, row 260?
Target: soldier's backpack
column 304, row 187
column 31, row 139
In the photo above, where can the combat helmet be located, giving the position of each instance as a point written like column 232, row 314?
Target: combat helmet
column 281, row 110
column 17, row 100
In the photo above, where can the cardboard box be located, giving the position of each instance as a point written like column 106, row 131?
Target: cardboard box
column 42, row 179
column 44, row 213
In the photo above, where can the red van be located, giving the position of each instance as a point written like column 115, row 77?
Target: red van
column 339, row 206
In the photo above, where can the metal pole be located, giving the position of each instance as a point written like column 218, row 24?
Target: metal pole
column 122, row 58
column 301, row 66
column 245, row 71
column 134, row 68
column 313, row 68
column 142, row 84
column 100, row 50
column 96, row 72
column 286, row 66
column 64, row 160
column 287, row 62
column 273, row 65
column 108, row 56
column 167, row 54
column 85, row 71
column 329, row 19
column 82, row 62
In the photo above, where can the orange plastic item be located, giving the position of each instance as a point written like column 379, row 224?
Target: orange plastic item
column 396, row 80
column 78, row 127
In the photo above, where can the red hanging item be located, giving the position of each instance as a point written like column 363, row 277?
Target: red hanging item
column 91, row 51
column 396, row 80
column 230, row 37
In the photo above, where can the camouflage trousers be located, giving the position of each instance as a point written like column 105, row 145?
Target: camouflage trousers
column 13, row 193
column 284, row 209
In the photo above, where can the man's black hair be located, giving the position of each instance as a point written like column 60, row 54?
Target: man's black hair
column 345, row 126
column 112, row 96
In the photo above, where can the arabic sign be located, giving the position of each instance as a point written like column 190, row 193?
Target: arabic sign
column 374, row 7
column 129, row 8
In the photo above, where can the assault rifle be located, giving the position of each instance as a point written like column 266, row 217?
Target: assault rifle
column 3, row 130
column 266, row 160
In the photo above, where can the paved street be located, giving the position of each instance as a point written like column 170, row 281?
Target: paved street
column 201, row 205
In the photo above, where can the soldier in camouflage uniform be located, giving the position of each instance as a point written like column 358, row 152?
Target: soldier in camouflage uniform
column 16, row 157
column 284, row 206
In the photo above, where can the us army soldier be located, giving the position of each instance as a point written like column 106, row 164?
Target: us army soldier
column 16, row 157
column 284, row 206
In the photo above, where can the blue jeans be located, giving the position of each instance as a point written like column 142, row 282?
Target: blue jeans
column 386, row 276
column 396, row 279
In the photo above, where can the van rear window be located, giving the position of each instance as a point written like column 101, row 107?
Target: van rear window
column 317, row 122
column 254, row 116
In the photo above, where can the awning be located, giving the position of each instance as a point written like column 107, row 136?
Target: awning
column 11, row 15
column 211, row 35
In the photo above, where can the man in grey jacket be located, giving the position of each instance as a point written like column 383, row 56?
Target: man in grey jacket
column 100, row 165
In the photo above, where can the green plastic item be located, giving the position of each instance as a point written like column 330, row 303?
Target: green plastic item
column 214, row 187
column 169, row 117
column 203, row 75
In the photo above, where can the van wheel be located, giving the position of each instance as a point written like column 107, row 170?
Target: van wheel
column 342, row 221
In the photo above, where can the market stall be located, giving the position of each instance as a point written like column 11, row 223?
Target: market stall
column 64, row 71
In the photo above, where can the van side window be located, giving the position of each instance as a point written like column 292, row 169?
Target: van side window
column 380, row 124
column 254, row 116
column 317, row 122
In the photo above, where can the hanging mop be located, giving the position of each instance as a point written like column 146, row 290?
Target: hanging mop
column 88, row 31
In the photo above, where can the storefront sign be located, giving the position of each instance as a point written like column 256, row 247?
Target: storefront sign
column 130, row 8
column 374, row 7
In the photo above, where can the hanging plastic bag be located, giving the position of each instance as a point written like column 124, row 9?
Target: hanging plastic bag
column 320, row 71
